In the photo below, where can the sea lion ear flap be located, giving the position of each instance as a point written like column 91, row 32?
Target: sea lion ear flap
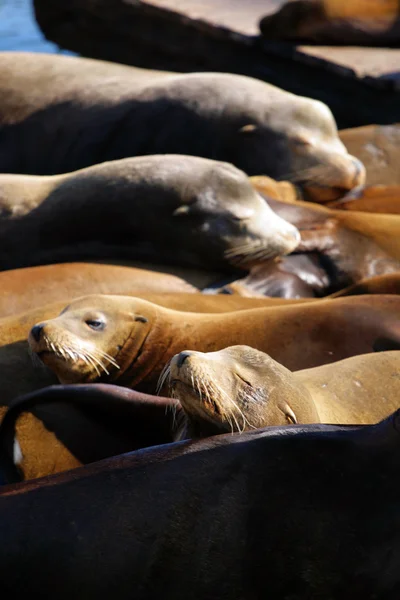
column 181, row 210
column 248, row 128
column 289, row 414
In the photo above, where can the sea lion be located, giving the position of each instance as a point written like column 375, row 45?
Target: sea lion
column 91, row 112
column 375, row 198
column 355, row 22
column 60, row 428
column 241, row 388
column 32, row 287
column 174, row 209
column 16, row 360
column 128, row 341
column 206, row 520
column 348, row 245
column 377, row 146
column 383, row 284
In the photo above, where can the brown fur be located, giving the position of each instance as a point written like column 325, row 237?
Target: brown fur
column 142, row 337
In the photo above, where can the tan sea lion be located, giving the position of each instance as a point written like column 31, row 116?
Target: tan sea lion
column 241, row 388
column 286, row 512
column 351, row 22
column 94, row 111
column 128, row 341
column 174, row 209
column 18, row 373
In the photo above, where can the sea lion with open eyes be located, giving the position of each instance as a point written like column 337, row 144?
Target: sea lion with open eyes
column 20, row 375
column 92, row 111
column 128, row 341
column 173, row 209
column 241, row 388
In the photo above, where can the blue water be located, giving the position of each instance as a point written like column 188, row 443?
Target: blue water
column 19, row 30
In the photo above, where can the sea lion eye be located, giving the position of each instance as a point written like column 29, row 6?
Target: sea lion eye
column 95, row 324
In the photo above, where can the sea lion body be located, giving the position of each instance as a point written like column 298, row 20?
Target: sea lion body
column 20, row 375
column 337, row 249
column 25, row 289
column 141, row 337
column 241, row 388
column 93, row 112
column 175, row 209
column 63, row 427
column 206, row 520
column 356, row 22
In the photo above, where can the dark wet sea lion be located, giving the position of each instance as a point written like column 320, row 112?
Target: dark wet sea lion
column 128, row 341
column 206, row 520
column 355, row 22
column 93, row 111
column 175, row 209
column 240, row 388
column 63, row 427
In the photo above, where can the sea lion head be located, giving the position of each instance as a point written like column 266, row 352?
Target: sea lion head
column 95, row 337
column 236, row 389
column 222, row 215
column 289, row 137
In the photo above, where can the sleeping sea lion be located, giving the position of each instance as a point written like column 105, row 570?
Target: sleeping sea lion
column 337, row 248
column 286, row 512
column 241, row 388
column 128, row 341
column 181, row 210
column 92, row 111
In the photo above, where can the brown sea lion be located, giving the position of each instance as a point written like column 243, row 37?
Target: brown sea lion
column 337, row 248
column 175, row 209
column 382, row 284
column 128, row 341
column 375, row 198
column 241, row 388
column 206, row 520
column 25, row 289
column 377, row 146
column 15, row 358
column 60, row 428
column 351, row 22
column 92, row 111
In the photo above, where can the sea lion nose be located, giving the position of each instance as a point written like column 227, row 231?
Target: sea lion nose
column 182, row 356
column 36, row 332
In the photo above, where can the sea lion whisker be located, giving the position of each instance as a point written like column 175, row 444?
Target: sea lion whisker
column 93, row 364
column 101, row 354
column 165, row 373
column 97, row 361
